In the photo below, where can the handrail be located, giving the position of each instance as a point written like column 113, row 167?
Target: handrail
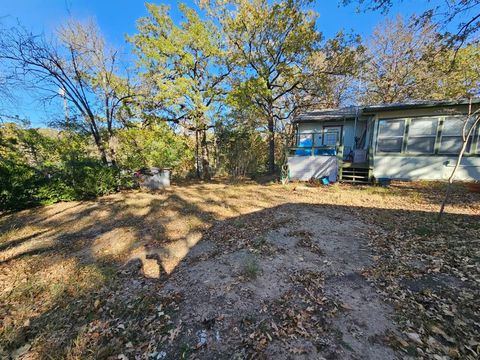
column 323, row 147
column 316, row 150
column 311, row 149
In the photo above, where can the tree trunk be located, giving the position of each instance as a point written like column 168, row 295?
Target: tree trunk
column 113, row 162
column 197, row 156
column 111, row 134
column 205, row 163
column 271, row 145
column 111, row 149
column 98, row 142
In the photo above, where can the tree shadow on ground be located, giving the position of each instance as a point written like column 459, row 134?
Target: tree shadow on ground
column 108, row 262
column 433, row 192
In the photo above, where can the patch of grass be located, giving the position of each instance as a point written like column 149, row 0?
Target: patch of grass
column 185, row 351
column 27, row 289
column 8, row 335
column 416, row 196
column 251, row 268
column 260, row 241
column 424, row 230
column 6, row 235
column 376, row 190
column 77, row 346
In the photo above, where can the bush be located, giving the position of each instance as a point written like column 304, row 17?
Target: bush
column 36, row 169
column 23, row 186
column 242, row 151
column 90, row 178
column 17, row 184
column 155, row 146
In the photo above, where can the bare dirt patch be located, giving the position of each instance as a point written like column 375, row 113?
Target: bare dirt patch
column 244, row 271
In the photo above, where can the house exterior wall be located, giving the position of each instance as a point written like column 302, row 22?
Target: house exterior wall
column 404, row 166
column 425, row 167
column 348, row 135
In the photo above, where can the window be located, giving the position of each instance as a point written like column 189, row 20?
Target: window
column 452, row 139
column 332, row 135
column 421, row 135
column 390, row 135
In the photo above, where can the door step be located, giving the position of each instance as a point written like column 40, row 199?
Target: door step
column 354, row 175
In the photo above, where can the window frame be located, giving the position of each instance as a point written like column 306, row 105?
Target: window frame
column 402, row 137
column 326, row 127
column 474, row 150
column 434, row 136
column 471, row 150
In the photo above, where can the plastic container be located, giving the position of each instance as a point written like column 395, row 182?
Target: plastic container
column 154, row 178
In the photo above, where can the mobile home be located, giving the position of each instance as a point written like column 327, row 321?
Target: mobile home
column 405, row 141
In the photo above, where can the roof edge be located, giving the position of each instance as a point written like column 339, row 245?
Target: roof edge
column 352, row 112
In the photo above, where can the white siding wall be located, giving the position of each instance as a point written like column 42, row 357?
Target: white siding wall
column 438, row 167
column 424, row 167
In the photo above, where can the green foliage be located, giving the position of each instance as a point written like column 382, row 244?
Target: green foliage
column 40, row 167
column 460, row 72
column 184, row 66
column 154, row 146
column 17, row 184
column 242, row 151
column 271, row 45
column 180, row 60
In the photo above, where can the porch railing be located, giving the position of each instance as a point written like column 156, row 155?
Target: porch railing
column 316, row 150
column 308, row 144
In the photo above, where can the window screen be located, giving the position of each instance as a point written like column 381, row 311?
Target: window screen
column 330, row 138
column 452, row 136
column 389, row 128
column 421, row 135
column 332, row 135
column 390, row 135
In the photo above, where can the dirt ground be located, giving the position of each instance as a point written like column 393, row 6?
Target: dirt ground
column 244, row 271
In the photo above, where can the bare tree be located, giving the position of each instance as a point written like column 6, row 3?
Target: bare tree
column 398, row 63
column 464, row 14
column 6, row 81
column 79, row 66
column 470, row 124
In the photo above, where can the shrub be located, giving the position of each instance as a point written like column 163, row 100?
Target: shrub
column 17, row 184
column 243, row 152
column 36, row 169
column 155, row 146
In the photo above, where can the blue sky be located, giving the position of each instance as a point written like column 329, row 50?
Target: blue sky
column 117, row 18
